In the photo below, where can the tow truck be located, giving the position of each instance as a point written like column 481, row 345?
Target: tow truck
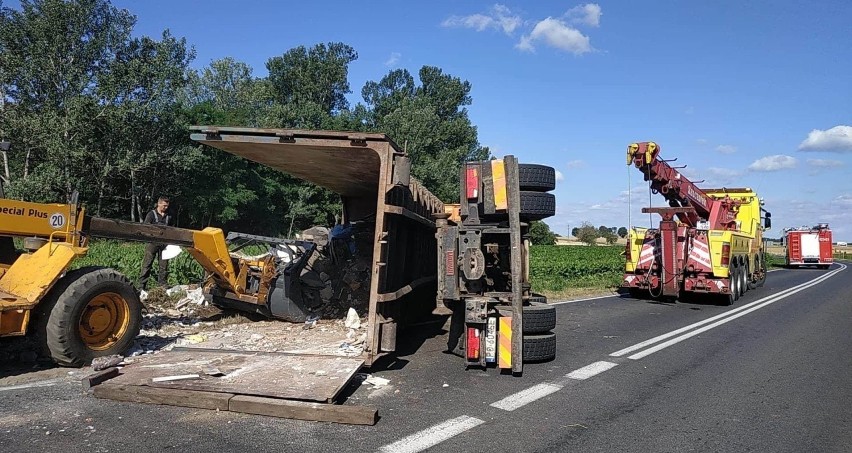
column 709, row 241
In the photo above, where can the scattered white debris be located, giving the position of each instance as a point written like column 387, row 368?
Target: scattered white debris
column 376, row 382
column 102, row 363
column 352, row 320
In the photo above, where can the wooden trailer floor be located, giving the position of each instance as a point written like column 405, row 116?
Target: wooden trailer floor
column 275, row 384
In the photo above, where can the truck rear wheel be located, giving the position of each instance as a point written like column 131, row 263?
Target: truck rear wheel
column 536, row 205
column 91, row 312
column 538, row 317
column 536, row 177
column 539, row 348
column 734, row 287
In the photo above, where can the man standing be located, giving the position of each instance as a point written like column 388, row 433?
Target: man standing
column 156, row 216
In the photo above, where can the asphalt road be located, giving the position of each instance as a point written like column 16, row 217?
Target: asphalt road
column 770, row 373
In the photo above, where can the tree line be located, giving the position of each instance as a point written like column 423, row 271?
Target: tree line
column 90, row 108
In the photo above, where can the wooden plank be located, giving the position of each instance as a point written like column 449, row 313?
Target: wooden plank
column 514, row 205
column 166, row 396
column 307, row 378
column 98, row 377
column 353, row 415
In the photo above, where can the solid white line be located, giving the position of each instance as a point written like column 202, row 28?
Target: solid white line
column 590, row 370
column 525, row 397
column 46, row 383
column 771, row 301
column 580, row 300
column 662, row 337
column 432, row 436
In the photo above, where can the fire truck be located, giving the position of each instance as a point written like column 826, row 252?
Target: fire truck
column 809, row 246
column 709, row 241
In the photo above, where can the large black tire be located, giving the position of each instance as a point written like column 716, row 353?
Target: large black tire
column 539, row 348
column 536, row 177
column 734, row 277
column 760, row 262
column 538, row 317
column 99, row 301
column 537, row 205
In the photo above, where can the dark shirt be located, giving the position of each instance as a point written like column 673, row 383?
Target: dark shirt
column 157, row 219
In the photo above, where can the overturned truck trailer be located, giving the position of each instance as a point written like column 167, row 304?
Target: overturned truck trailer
column 372, row 176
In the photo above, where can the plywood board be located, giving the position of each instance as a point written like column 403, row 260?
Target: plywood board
column 289, row 376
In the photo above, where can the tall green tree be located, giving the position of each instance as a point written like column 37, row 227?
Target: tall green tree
column 540, row 234
column 87, row 106
column 429, row 121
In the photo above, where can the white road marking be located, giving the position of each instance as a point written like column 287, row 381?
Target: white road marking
column 728, row 316
column 662, row 337
column 580, row 300
column 604, row 297
column 432, row 436
column 46, row 383
column 590, row 370
column 527, row 396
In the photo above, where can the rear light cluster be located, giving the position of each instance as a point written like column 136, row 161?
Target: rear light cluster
column 726, row 253
column 472, row 183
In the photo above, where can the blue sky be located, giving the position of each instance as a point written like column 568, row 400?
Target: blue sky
column 755, row 93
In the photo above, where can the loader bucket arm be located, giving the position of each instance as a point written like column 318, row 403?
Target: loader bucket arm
column 207, row 246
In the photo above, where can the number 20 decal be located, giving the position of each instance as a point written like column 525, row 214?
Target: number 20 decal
column 57, row 221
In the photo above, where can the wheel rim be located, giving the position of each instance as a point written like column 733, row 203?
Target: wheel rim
column 104, row 321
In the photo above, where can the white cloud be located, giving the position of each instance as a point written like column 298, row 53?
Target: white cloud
column 837, row 139
column 557, row 34
column 825, row 163
column 589, row 14
column 773, row 163
column 701, row 141
column 845, row 200
column 574, row 164
column 498, row 18
column 559, row 176
column 393, row 59
column 726, row 149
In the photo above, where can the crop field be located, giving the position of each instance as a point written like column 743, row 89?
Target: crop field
column 555, row 268
column 126, row 257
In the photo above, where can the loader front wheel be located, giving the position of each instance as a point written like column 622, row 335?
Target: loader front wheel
column 91, row 312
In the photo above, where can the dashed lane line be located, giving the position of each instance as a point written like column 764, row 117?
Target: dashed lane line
column 433, row 435
column 527, row 396
column 590, row 370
